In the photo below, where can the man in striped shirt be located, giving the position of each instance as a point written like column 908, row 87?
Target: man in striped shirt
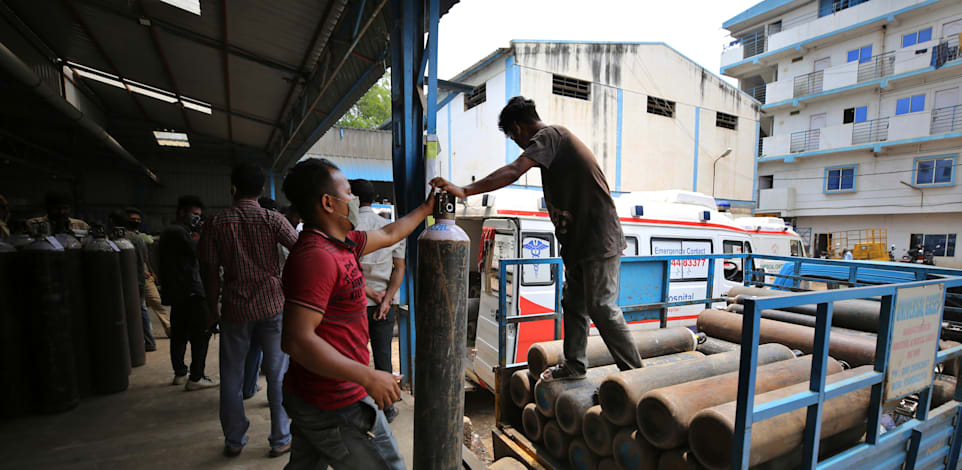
column 243, row 241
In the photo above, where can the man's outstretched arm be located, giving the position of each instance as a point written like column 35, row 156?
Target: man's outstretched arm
column 496, row 180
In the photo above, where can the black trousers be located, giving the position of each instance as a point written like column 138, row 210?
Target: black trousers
column 382, row 333
column 188, row 324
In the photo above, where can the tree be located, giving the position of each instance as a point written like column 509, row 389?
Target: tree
column 372, row 109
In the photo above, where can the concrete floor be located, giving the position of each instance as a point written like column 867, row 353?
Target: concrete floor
column 153, row 425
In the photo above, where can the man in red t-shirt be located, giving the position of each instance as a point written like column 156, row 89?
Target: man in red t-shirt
column 333, row 398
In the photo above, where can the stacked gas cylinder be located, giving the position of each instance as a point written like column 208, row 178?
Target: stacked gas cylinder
column 66, row 331
column 678, row 411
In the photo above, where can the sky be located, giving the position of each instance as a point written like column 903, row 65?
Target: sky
column 472, row 29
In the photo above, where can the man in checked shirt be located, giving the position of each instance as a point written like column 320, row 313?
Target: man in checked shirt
column 243, row 241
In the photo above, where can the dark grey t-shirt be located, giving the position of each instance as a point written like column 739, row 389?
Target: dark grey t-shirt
column 577, row 195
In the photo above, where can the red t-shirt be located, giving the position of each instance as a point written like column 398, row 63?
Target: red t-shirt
column 323, row 274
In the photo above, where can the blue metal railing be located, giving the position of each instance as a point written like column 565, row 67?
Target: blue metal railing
column 948, row 119
column 804, row 141
column 874, row 130
column 759, row 93
column 633, row 311
column 915, row 437
column 747, row 412
column 753, row 44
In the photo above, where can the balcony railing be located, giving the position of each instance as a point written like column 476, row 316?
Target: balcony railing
column 753, row 44
column 805, row 141
column 808, row 84
column 879, row 66
column 947, row 119
column 876, row 130
column 946, row 50
column 758, row 93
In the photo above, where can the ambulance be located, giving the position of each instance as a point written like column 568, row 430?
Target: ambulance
column 513, row 223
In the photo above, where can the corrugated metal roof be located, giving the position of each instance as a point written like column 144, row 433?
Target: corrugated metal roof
column 253, row 62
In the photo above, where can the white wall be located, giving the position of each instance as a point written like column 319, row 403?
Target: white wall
column 899, row 229
column 878, row 184
column 656, row 153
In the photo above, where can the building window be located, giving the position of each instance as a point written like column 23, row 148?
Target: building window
column 726, row 120
column 862, row 54
column 941, row 244
column 661, row 107
column 910, row 104
column 476, row 97
column 829, row 7
column 570, row 87
column 766, row 181
column 859, row 114
column 917, row 37
column 840, row 179
column 935, row 171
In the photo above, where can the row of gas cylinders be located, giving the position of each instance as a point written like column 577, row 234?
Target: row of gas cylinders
column 677, row 412
column 70, row 320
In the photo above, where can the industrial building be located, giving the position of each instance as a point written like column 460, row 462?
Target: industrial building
column 862, row 123
column 653, row 118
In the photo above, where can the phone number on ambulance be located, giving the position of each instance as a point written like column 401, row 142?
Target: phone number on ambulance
column 690, row 263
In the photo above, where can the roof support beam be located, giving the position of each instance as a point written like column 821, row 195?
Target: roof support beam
column 103, row 53
column 199, row 38
column 328, row 22
column 223, row 23
column 163, row 60
column 334, row 74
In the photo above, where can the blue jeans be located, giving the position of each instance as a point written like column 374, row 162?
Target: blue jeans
column 148, row 332
column 235, row 342
column 356, row 437
column 252, row 365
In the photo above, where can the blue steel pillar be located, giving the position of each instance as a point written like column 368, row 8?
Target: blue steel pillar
column 408, row 122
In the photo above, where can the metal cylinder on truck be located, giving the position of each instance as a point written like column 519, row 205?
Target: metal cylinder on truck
column 716, row 346
column 556, row 442
column 598, row 431
column 633, row 452
column 106, row 314
column 796, row 318
column 53, row 370
column 522, row 387
column 441, row 311
column 15, row 396
column 620, row 393
column 856, row 350
column 856, row 314
column 76, row 295
column 131, row 291
column 580, row 456
column 571, row 405
column 663, row 414
column 711, row 433
column 649, row 343
column 678, row 459
column 533, row 422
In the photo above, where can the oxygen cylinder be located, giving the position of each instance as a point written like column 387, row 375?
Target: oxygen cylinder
column 131, row 290
column 107, row 325
column 15, row 393
column 73, row 278
column 53, row 371
column 441, row 311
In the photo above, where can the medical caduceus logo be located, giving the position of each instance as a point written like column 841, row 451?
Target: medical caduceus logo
column 535, row 246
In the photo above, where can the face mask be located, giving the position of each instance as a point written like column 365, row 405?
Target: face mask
column 133, row 225
column 353, row 209
column 194, row 223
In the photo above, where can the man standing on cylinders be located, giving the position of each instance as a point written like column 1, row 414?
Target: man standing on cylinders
column 586, row 224
column 334, row 399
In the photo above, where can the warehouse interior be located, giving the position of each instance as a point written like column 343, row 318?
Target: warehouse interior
column 133, row 103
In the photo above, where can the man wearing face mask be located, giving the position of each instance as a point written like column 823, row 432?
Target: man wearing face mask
column 179, row 273
column 243, row 241
column 586, row 224
column 151, row 294
column 336, row 401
